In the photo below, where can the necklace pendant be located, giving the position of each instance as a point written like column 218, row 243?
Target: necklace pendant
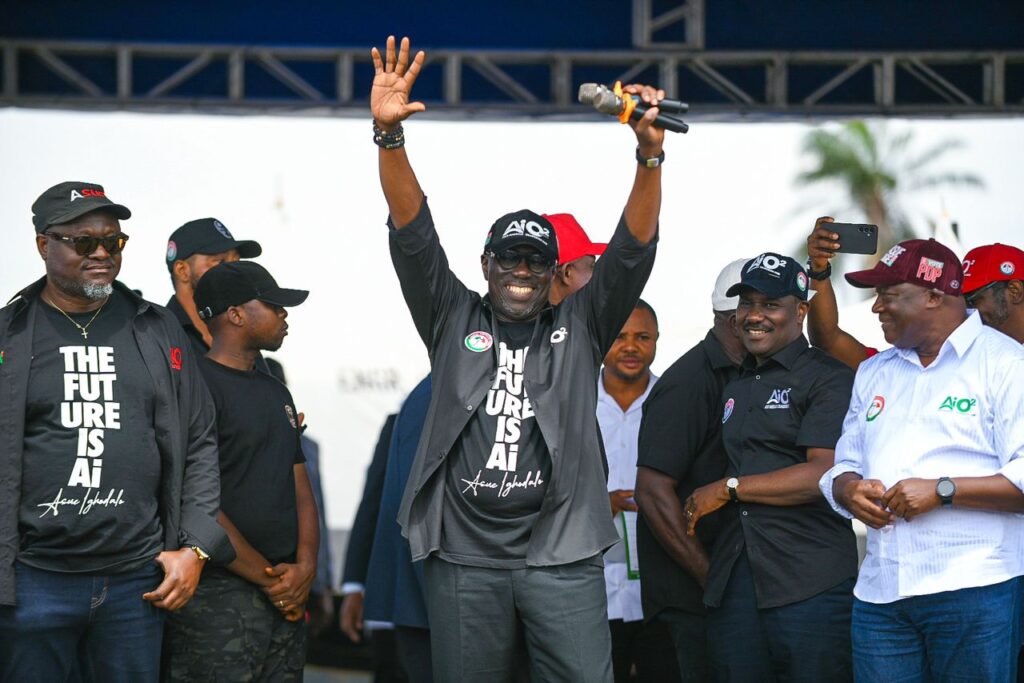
column 85, row 335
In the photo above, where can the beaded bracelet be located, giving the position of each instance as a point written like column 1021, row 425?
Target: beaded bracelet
column 386, row 140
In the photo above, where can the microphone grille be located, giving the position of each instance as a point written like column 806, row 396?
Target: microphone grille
column 588, row 92
column 608, row 102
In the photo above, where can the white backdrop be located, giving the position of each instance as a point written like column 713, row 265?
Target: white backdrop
column 307, row 189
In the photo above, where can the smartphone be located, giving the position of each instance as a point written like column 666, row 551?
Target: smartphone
column 855, row 238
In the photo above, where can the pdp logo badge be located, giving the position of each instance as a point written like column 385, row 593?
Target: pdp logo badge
column 875, row 409
column 479, row 341
column 727, row 413
column 1007, row 268
column 801, row 282
column 172, row 251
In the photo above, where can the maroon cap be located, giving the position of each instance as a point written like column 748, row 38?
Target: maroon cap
column 925, row 263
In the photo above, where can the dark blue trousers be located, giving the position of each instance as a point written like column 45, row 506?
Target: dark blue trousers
column 86, row 627
column 803, row 642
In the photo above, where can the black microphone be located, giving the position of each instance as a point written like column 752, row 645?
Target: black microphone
column 589, row 92
column 607, row 102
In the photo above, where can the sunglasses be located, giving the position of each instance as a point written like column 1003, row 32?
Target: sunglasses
column 510, row 259
column 973, row 296
column 85, row 245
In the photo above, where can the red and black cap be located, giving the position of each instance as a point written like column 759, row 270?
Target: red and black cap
column 235, row 283
column 523, row 227
column 72, row 199
column 206, row 236
column 992, row 263
column 926, row 263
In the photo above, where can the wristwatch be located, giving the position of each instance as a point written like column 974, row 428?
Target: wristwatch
column 945, row 489
column 649, row 162
column 200, row 553
column 731, row 484
column 819, row 274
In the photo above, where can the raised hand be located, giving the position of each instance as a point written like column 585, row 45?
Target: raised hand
column 649, row 137
column 821, row 244
column 392, row 82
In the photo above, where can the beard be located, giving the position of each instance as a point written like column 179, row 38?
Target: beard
column 89, row 290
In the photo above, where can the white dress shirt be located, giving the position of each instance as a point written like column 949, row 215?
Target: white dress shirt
column 620, row 431
column 962, row 416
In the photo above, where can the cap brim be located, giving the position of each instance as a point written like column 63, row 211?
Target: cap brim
column 597, row 248
column 248, row 248
column 120, row 211
column 284, row 297
column 770, row 292
column 874, row 277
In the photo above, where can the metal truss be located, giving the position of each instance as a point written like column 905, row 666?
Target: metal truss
column 654, row 30
column 460, row 83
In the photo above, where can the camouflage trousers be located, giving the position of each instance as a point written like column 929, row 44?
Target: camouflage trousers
column 229, row 632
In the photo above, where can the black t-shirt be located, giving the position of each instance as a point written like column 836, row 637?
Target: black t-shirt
column 90, row 475
column 258, row 443
column 680, row 436
column 771, row 415
column 499, row 471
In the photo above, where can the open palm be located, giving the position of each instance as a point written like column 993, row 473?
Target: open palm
column 392, row 82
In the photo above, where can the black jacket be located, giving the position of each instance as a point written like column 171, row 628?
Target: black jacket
column 568, row 344
column 185, row 429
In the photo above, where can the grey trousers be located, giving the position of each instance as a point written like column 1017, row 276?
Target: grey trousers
column 479, row 615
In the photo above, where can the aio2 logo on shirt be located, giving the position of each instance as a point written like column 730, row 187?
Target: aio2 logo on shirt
column 961, row 406
column 779, row 400
column 875, row 409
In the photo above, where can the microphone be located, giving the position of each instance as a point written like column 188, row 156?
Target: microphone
column 589, row 93
column 630, row 107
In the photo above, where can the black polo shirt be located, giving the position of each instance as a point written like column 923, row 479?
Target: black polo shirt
column 771, row 415
column 680, row 436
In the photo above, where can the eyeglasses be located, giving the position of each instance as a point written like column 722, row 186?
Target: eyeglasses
column 535, row 261
column 973, row 296
column 85, row 245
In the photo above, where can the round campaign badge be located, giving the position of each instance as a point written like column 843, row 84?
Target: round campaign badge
column 727, row 413
column 876, row 408
column 172, row 250
column 220, row 227
column 801, row 282
column 1007, row 268
column 479, row 341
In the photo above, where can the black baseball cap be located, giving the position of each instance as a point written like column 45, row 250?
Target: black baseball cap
column 774, row 275
column 233, row 284
column 72, row 199
column 523, row 227
column 206, row 236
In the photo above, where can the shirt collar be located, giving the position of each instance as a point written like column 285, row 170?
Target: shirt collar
column 716, row 352
column 958, row 341
column 786, row 356
column 603, row 395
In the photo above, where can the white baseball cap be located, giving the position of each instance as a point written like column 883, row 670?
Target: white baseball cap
column 729, row 276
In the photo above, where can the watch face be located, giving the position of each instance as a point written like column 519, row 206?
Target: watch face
column 945, row 488
column 732, row 482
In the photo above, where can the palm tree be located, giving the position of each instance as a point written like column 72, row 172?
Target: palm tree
column 874, row 167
